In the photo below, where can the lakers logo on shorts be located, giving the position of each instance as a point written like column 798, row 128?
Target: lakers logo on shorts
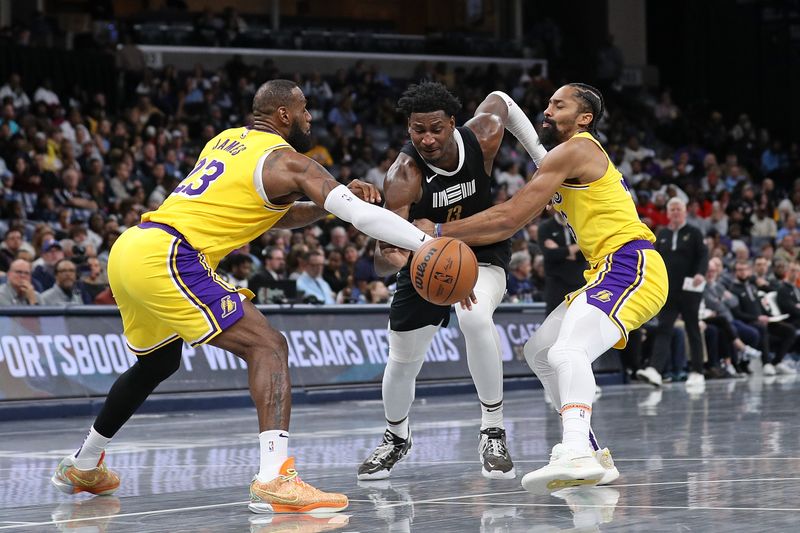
column 228, row 306
column 603, row 296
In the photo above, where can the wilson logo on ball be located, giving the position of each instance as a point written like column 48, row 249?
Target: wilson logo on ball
column 419, row 273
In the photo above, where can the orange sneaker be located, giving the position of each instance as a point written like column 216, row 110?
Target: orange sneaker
column 287, row 493
column 99, row 480
column 301, row 523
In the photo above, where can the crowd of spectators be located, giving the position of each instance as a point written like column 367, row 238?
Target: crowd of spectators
column 76, row 172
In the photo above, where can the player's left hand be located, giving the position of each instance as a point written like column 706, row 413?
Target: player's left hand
column 467, row 302
column 425, row 225
column 366, row 191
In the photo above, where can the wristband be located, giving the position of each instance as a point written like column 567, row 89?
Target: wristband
column 437, row 230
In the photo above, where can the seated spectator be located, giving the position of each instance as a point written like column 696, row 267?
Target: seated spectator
column 377, row 174
column 788, row 292
column 334, row 273
column 776, row 335
column 45, row 267
column 10, row 247
column 718, row 302
column 763, row 277
column 95, row 280
column 338, row 239
column 18, row 289
column 511, row 177
column 314, row 287
column 66, row 289
column 520, row 287
column 376, row 293
column 364, row 271
column 240, row 267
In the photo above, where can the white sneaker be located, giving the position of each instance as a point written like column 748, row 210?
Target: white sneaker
column 695, row 379
column 650, row 375
column 750, row 353
column 786, row 368
column 768, row 369
column 607, row 462
column 567, row 468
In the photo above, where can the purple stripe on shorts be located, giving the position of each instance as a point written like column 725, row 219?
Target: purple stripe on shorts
column 219, row 305
column 622, row 274
column 225, row 305
column 169, row 229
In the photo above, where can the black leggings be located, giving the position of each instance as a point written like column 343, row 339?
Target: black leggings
column 134, row 386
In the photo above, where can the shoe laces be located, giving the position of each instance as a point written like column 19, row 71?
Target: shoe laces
column 381, row 452
column 292, row 475
column 495, row 445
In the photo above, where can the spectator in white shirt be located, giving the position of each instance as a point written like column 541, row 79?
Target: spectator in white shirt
column 314, row 287
column 510, row 177
column 14, row 89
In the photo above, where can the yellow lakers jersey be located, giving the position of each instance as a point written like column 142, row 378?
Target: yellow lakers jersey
column 221, row 204
column 600, row 215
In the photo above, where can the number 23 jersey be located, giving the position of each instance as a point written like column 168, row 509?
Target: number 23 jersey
column 221, row 205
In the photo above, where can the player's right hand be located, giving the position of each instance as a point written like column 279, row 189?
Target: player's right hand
column 467, row 302
column 365, row 191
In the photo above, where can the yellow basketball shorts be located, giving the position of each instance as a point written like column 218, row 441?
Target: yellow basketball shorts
column 629, row 285
column 165, row 289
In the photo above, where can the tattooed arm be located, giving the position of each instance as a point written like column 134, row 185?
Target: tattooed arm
column 288, row 176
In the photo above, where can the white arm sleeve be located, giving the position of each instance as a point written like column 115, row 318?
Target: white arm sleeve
column 520, row 127
column 375, row 221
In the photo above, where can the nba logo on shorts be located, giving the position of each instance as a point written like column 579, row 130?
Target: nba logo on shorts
column 604, row 296
column 228, row 306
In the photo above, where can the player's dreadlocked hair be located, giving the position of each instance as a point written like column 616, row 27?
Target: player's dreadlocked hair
column 427, row 97
column 591, row 102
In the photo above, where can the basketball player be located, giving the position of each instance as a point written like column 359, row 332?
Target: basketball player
column 443, row 174
column 626, row 282
column 246, row 181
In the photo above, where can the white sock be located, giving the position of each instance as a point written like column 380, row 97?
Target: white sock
column 88, row 455
column 274, row 451
column 576, row 420
column 492, row 415
column 400, row 428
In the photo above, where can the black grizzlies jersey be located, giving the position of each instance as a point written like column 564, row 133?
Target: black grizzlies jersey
column 460, row 193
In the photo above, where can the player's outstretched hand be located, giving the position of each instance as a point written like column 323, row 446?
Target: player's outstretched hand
column 365, row 191
column 467, row 302
column 425, row 225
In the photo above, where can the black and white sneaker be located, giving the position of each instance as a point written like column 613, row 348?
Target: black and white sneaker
column 494, row 455
column 386, row 455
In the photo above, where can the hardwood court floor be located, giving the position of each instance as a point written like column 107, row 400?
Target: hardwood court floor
column 727, row 459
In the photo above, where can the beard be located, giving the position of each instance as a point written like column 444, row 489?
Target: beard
column 549, row 136
column 298, row 139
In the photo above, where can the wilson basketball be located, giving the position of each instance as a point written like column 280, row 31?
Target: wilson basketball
column 444, row 271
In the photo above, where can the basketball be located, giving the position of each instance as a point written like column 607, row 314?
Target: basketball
column 444, row 271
